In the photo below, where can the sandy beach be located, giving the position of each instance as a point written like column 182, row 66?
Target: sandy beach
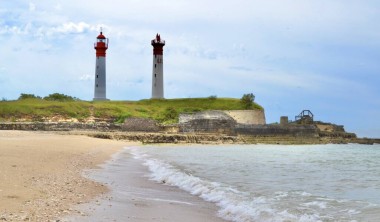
column 42, row 179
column 41, row 173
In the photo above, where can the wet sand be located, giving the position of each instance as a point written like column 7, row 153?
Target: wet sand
column 134, row 197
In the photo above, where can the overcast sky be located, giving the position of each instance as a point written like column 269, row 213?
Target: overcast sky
column 322, row 55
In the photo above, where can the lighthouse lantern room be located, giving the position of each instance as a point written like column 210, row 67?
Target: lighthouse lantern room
column 101, row 47
column 157, row 73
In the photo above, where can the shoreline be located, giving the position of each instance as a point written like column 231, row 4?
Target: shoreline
column 134, row 197
column 48, row 178
column 41, row 173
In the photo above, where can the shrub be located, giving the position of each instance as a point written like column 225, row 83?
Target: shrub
column 170, row 115
column 121, row 118
column 213, row 97
column 60, row 97
column 141, row 110
column 28, row 96
column 191, row 110
column 247, row 100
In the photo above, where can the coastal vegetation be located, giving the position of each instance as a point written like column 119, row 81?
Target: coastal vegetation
column 34, row 108
column 248, row 100
column 52, row 97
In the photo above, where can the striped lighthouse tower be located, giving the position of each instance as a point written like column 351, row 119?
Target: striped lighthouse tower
column 100, row 46
column 158, row 66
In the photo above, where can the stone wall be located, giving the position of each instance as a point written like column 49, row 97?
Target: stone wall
column 240, row 122
column 284, row 120
column 140, row 125
column 247, row 116
column 277, row 130
column 167, row 138
column 329, row 127
column 206, row 122
column 130, row 125
column 210, row 115
column 203, row 131
column 42, row 126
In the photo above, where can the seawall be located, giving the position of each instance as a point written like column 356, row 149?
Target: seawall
column 241, row 133
column 60, row 126
column 254, row 117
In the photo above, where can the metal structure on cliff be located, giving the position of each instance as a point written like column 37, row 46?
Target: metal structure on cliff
column 305, row 117
column 101, row 47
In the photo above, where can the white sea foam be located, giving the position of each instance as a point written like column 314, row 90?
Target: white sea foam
column 270, row 183
column 169, row 201
column 319, row 204
column 233, row 206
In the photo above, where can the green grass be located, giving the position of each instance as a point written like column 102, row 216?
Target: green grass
column 162, row 110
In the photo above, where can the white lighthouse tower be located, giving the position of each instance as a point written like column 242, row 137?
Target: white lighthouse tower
column 158, row 66
column 100, row 46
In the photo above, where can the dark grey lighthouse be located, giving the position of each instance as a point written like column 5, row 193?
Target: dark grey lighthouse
column 158, row 67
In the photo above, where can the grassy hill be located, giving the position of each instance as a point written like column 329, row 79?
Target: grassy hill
column 162, row 110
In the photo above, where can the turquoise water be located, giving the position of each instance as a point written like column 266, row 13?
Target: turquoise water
column 273, row 182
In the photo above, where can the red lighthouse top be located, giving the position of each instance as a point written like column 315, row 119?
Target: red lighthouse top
column 101, row 45
column 101, row 36
column 158, row 45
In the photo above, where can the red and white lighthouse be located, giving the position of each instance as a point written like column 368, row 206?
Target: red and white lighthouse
column 158, row 66
column 101, row 47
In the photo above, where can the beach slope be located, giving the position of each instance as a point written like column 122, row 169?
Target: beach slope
column 41, row 173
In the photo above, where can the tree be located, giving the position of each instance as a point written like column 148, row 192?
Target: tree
column 247, row 100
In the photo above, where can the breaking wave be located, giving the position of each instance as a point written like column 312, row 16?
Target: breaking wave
column 234, row 205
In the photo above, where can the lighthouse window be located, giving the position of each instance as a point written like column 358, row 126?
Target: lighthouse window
column 155, row 65
column 96, row 85
column 97, row 76
column 155, row 75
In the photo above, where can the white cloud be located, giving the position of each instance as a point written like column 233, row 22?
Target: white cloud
column 32, row 7
column 58, row 7
column 42, row 30
column 71, row 28
column 86, row 77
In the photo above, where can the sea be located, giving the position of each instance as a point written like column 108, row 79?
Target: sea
column 274, row 182
column 267, row 182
